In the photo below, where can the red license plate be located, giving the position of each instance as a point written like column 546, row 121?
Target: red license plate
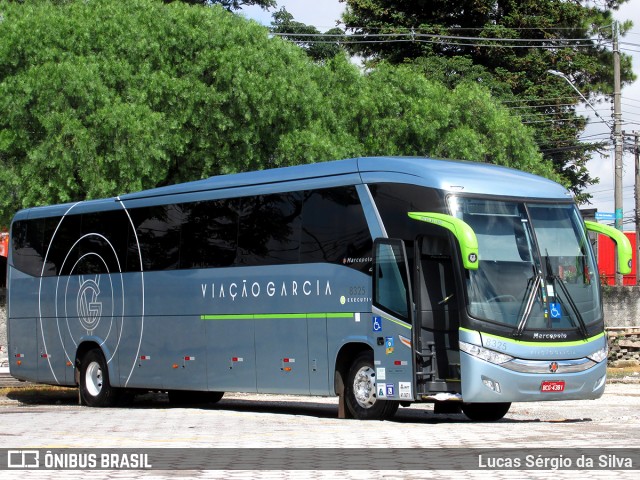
column 552, row 386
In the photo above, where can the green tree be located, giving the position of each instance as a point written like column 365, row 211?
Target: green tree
column 101, row 98
column 396, row 110
column 307, row 36
column 454, row 42
column 229, row 4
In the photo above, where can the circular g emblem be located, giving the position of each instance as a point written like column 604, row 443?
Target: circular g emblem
column 89, row 308
column 85, row 291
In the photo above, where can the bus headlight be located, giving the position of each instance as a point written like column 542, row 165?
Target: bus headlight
column 600, row 355
column 485, row 354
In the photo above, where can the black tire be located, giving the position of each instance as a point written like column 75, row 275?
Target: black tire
column 485, row 412
column 391, row 409
column 95, row 388
column 360, row 391
column 187, row 397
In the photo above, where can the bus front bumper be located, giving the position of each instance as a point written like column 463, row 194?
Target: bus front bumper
column 483, row 381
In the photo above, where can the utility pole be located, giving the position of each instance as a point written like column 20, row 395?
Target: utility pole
column 637, row 215
column 617, row 135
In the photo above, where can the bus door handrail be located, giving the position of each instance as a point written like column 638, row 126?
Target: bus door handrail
column 624, row 250
column 463, row 232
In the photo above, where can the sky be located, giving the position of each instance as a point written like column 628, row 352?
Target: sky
column 323, row 14
column 603, row 167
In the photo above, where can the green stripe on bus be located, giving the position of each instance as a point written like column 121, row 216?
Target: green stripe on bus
column 402, row 324
column 269, row 316
column 573, row 343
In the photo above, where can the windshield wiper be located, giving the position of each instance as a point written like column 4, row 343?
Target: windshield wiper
column 581, row 325
column 559, row 282
column 533, row 285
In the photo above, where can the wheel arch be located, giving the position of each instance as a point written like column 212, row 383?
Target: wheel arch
column 347, row 353
column 83, row 348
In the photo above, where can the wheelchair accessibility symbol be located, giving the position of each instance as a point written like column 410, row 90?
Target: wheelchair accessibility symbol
column 555, row 309
column 377, row 324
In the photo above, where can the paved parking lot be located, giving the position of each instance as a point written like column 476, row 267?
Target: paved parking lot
column 244, row 422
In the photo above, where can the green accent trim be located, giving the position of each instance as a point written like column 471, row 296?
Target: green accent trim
column 269, row 316
column 573, row 343
column 226, row 317
column 622, row 242
column 462, row 231
column 397, row 322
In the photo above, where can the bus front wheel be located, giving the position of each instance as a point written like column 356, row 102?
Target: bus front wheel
column 485, row 412
column 95, row 389
column 360, row 391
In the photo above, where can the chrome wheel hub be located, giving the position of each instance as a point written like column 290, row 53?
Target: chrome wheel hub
column 364, row 387
column 93, row 379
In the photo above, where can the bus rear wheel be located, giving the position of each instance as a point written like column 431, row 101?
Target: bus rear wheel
column 95, row 389
column 360, row 391
column 485, row 412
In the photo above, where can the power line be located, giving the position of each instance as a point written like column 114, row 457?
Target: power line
column 475, row 29
column 434, row 36
column 543, row 106
column 417, row 36
column 451, row 40
column 544, row 99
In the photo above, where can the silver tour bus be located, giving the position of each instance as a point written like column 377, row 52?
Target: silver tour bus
column 384, row 281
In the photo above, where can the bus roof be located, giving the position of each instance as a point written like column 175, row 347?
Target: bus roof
column 448, row 175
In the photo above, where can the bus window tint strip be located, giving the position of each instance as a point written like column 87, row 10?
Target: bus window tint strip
column 326, row 225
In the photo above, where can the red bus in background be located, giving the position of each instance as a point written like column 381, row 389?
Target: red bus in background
column 4, row 244
column 4, row 252
column 606, row 260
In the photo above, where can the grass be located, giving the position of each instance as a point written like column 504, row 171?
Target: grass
column 37, row 394
column 623, row 372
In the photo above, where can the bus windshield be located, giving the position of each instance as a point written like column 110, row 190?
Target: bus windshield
column 536, row 268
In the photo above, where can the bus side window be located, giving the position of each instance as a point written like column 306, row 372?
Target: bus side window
column 209, row 236
column 391, row 292
column 158, row 230
column 27, row 245
column 269, row 229
column 334, row 228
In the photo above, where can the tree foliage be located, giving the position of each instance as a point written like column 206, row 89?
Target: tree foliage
column 103, row 97
column 538, row 35
column 229, row 4
column 307, row 36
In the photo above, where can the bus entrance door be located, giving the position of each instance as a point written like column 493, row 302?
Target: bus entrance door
column 437, row 317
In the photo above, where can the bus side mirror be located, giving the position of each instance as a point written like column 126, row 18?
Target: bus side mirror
column 464, row 234
column 624, row 250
